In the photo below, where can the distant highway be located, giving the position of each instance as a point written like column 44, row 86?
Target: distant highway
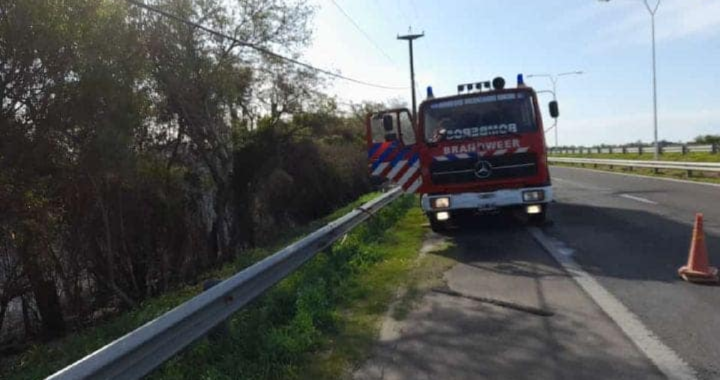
column 631, row 318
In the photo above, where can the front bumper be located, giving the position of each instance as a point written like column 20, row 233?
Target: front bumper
column 486, row 201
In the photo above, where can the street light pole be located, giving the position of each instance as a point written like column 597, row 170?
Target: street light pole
column 410, row 38
column 655, row 121
column 652, row 11
column 554, row 78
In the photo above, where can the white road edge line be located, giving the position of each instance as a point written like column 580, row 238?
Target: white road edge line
column 664, row 358
column 639, row 199
column 640, row 175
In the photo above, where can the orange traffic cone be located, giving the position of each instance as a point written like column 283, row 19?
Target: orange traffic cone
column 698, row 268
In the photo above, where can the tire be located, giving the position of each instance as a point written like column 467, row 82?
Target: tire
column 435, row 225
column 538, row 219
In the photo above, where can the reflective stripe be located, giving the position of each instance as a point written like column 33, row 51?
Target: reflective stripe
column 414, row 159
column 399, row 156
column 418, row 182
column 399, row 166
column 500, row 152
column 380, row 168
column 384, row 155
column 380, row 149
column 374, row 149
column 408, row 174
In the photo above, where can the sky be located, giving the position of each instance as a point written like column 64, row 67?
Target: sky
column 469, row 41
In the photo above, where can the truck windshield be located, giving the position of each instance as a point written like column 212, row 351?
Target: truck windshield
column 479, row 116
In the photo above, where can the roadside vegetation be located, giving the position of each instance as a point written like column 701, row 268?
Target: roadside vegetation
column 138, row 153
column 314, row 324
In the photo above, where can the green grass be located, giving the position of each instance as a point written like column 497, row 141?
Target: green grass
column 677, row 174
column 311, row 325
column 402, row 272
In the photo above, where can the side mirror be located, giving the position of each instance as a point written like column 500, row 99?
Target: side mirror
column 388, row 124
column 554, row 110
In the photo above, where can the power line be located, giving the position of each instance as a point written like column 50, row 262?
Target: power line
column 259, row 48
column 415, row 12
column 367, row 36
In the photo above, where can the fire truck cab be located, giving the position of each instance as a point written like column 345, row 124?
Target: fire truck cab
column 477, row 151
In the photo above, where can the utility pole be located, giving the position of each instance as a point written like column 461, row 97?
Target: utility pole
column 410, row 38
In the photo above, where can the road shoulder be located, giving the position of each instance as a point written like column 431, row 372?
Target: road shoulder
column 464, row 334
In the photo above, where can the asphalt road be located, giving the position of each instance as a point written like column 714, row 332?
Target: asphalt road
column 633, row 248
column 509, row 310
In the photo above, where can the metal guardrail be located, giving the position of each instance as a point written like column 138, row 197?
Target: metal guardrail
column 671, row 165
column 683, row 149
column 144, row 349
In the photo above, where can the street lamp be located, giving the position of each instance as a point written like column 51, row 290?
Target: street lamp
column 652, row 11
column 554, row 78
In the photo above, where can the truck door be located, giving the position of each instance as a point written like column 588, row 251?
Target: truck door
column 392, row 150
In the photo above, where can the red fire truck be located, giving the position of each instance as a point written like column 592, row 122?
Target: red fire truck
column 478, row 151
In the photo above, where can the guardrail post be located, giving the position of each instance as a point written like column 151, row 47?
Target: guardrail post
column 222, row 329
column 689, row 173
column 640, row 150
column 684, row 149
column 713, row 148
column 624, row 150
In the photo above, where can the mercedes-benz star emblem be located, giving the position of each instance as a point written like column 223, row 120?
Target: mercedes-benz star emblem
column 483, row 169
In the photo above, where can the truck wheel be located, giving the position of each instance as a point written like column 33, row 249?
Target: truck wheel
column 538, row 219
column 435, row 225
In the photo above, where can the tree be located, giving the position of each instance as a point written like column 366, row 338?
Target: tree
column 137, row 151
column 707, row 139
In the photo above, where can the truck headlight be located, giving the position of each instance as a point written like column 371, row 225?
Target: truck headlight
column 533, row 209
column 533, row 196
column 442, row 216
column 440, row 202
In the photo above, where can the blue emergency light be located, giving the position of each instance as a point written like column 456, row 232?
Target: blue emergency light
column 520, row 81
column 430, row 94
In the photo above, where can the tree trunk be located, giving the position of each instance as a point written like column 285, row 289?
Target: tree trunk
column 26, row 317
column 45, row 293
column 3, row 309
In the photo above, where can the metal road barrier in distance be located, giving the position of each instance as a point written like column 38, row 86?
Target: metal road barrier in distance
column 668, row 165
column 146, row 348
column 682, row 149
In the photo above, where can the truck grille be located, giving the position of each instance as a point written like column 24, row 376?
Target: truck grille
column 476, row 169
